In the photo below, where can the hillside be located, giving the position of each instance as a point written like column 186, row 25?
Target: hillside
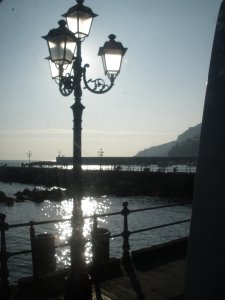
column 186, row 145
column 157, row 151
column 191, row 133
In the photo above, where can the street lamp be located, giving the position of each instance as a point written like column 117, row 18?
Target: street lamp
column 29, row 154
column 64, row 44
column 100, row 154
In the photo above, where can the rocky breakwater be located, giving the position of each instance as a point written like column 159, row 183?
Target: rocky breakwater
column 116, row 183
column 6, row 199
column 35, row 195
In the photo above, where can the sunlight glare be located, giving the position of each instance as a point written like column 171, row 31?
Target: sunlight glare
column 90, row 206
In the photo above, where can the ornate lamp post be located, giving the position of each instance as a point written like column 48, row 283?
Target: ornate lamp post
column 64, row 44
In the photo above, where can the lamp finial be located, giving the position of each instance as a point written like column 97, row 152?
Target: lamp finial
column 62, row 23
column 112, row 37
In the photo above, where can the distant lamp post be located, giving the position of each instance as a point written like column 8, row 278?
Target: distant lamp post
column 68, row 72
column 29, row 154
column 100, row 154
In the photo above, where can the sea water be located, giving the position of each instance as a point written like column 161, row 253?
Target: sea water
column 18, row 238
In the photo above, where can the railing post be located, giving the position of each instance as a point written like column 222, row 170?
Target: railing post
column 4, row 255
column 126, row 258
column 126, row 233
column 94, row 241
column 96, row 260
column 33, row 249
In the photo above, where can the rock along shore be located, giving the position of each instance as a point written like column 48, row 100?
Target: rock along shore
column 35, row 195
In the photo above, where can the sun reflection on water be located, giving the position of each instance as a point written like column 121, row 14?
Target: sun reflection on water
column 90, row 206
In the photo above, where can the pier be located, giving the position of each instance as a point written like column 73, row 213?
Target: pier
column 135, row 163
column 129, row 161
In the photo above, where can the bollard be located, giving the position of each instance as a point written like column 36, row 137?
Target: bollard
column 45, row 260
column 100, row 244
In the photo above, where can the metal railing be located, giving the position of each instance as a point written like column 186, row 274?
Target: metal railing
column 125, row 234
column 166, row 168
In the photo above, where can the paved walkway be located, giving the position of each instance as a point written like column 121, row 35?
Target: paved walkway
column 160, row 283
column 160, row 271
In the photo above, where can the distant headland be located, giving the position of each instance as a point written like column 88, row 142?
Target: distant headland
column 186, row 145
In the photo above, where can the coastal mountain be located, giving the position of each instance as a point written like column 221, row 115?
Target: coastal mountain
column 191, row 133
column 186, row 145
column 157, row 151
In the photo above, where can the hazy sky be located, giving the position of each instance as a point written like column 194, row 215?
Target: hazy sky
column 158, row 94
